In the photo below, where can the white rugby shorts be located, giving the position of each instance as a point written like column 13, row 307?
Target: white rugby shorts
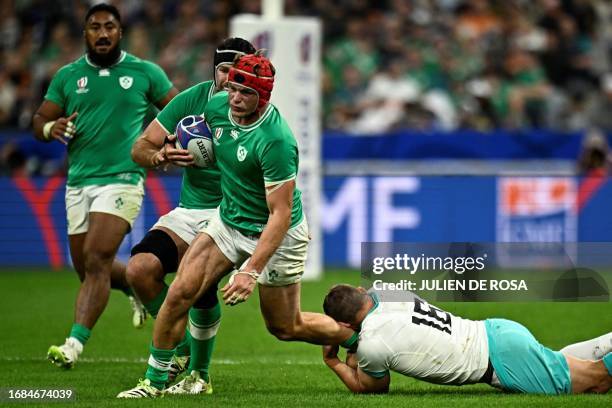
column 186, row 223
column 285, row 267
column 122, row 200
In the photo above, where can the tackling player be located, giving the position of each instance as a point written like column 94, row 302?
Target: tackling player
column 424, row 342
column 163, row 247
column 96, row 106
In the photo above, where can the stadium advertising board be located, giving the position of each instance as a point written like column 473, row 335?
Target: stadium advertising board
column 356, row 209
column 537, row 210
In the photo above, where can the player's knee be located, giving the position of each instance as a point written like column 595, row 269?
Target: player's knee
column 99, row 261
column 142, row 270
column 160, row 245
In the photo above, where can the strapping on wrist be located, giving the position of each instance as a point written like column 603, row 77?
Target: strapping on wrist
column 252, row 273
column 47, row 129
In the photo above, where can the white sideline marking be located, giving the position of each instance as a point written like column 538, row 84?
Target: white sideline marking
column 144, row 360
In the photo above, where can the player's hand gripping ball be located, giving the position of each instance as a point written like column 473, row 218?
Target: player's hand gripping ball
column 192, row 133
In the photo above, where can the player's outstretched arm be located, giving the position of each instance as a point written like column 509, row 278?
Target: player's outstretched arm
column 49, row 124
column 354, row 378
column 155, row 147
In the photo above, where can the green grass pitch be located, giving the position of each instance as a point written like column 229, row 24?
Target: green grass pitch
column 250, row 367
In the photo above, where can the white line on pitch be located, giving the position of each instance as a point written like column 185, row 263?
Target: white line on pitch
column 143, row 360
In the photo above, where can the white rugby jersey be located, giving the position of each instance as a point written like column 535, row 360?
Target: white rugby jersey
column 422, row 341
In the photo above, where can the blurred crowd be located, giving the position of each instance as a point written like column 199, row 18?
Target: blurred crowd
column 389, row 64
column 37, row 37
column 483, row 64
column 421, row 64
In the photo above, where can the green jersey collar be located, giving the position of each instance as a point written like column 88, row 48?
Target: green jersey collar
column 211, row 91
column 253, row 125
column 375, row 302
column 121, row 58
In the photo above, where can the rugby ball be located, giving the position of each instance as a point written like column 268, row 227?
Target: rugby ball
column 192, row 133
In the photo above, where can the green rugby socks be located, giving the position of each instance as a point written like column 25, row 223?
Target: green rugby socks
column 204, row 324
column 158, row 366
column 80, row 333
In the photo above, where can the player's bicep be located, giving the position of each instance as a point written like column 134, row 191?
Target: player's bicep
column 370, row 383
column 155, row 133
column 279, row 197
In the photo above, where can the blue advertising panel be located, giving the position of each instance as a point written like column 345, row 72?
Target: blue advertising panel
column 476, row 209
column 354, row 209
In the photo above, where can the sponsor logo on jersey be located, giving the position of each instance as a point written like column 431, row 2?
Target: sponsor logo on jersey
column 234, row 134
column 82, row 85
column 241, row 153
column 126, row 176
column 218, row 133
column 126, row 82
column 104, row 72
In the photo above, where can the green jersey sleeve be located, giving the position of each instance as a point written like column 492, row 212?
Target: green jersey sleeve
column 55, row 92
column 169, row 116
column 160, row 84
column 192, row 101
column 216, row 105
column 279, row 161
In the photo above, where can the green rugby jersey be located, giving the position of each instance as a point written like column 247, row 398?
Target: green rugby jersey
column 200, row 188
column 112, row 103
column 250, row 158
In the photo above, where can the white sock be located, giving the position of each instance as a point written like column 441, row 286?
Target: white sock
column 75, row 344
column 593, row 349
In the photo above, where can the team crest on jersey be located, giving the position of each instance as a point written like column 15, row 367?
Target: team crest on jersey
column 126, row 82
column 234, row 134
column 241, row 153
column 82, row 85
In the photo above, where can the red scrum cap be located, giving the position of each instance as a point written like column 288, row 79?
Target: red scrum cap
column 256, row 72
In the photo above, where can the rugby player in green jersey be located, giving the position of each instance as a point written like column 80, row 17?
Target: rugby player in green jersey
column 96, row 106
column 163, row 247
column 260, row 225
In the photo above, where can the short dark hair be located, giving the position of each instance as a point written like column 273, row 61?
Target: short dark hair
column 343, row 302
column 237, row 44
column 109, row 8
